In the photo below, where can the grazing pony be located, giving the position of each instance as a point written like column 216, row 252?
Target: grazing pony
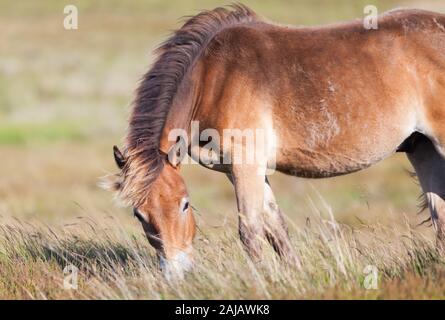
column 331, row 100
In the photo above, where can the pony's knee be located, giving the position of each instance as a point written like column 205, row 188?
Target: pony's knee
column 251, row 235
column 440, row 237
column 436, row 204
column 274, row 220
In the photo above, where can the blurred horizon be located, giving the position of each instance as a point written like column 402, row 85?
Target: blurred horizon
column 65, row 97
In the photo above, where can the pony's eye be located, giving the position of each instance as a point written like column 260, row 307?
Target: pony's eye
column 185, row 204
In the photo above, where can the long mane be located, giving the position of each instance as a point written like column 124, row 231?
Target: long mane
column 156, row 92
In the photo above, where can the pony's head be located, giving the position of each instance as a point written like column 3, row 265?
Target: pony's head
column 164, row 210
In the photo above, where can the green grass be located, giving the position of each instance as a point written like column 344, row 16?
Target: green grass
column 32, row 133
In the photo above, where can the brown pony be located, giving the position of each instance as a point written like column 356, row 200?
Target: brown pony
column 332, row 100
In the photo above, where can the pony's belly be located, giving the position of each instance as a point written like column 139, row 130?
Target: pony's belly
column 308, row 163
column 315, row 145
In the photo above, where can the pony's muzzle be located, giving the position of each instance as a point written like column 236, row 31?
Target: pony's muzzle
column 177, row 266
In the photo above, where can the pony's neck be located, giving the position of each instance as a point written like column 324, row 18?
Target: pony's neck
column 182, row 111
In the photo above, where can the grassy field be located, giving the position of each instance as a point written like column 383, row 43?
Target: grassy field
column 64, row 101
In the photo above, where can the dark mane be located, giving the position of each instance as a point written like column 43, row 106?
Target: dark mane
column 157, row 90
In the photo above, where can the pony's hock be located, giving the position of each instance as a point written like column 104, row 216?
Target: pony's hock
column 333, row 99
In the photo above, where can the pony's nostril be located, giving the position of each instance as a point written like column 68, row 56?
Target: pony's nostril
column 177, row 266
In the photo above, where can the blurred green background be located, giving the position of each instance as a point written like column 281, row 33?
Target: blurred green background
column 65, row 98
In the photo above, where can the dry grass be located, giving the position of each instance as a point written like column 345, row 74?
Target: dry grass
column 117, row 264
column 63, row 104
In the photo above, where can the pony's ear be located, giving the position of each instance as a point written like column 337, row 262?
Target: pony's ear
column 118, row 157
column 176, row 153
column 173, row 157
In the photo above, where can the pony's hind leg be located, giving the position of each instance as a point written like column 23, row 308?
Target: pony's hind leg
column 430, row 169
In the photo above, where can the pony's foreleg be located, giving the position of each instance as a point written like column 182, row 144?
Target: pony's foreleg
column 430, row 169
column 249, row 188
column 275, row 227
column 258, row 222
